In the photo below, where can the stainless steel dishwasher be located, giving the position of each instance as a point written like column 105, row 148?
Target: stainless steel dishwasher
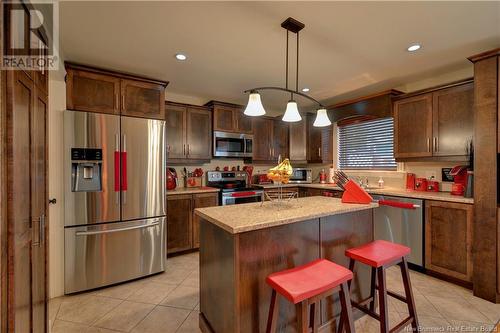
column 404, row 226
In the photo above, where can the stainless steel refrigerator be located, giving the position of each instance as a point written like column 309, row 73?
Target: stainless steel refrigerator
column 115, row 214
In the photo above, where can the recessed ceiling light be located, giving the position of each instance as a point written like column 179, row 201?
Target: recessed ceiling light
column 414, row 47
column 180, row 56
column 305, row 89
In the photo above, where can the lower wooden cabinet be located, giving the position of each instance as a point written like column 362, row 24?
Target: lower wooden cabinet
column 182, row 224
column 448, row 239
column 312, row 192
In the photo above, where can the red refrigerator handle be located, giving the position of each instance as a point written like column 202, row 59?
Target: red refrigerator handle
column 117, row 171
column 124, row 170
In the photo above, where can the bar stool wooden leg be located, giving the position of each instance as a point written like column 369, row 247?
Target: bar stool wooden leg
column 302, row 325
column 372, row 289
column 315, row 316
column 273, row 313
column 346, row 316
column 409, row 294
column 382, row 301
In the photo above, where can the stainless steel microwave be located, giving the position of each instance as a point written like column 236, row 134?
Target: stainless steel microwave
column 232, row 144
column 301, row 176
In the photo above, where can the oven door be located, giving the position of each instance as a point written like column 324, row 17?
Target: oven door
column 232, row 145
column 234, row 198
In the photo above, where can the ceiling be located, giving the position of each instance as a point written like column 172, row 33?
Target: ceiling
column 347, row 49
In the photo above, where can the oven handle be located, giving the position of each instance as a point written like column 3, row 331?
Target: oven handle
column 88, row 233
column 243, row 194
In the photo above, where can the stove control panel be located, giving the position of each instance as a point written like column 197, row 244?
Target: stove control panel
column 224, row 176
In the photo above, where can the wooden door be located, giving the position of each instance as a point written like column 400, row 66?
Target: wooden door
column 179, row 222
column 88, row 91
column 39, row 209
column 298, row 141
column 413, row 126
column 453, row 120
column 262, row 139
column 19, row 214
column 142, row 99
column 176, row 131
column 448, row 239
column 224, row 118
column 200, row 201
column 280, row 139
column 199, row 134
column 244, row 123
column 314, row 142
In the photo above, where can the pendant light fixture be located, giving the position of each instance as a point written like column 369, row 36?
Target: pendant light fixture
column 255, row 107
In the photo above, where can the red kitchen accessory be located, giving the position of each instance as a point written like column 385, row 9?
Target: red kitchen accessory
column 421, row 184
column 264, row 179
column 249, row 170
column 171, row 179
column 459, row 174
column 410, row 181
column 432, row 186
column 353, row 193
column 322, row 176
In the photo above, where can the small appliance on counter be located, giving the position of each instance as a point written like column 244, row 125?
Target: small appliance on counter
column 172, row 180
column 459, row 174
column 410, row 181
column 432, row 185
column 322, row 177
column 301, row 176
column 421, row 184
column 331, row 175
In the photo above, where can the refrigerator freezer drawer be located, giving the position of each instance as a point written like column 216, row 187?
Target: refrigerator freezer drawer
column 105, row 254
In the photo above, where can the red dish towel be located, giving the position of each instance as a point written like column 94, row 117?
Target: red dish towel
column 397, row 204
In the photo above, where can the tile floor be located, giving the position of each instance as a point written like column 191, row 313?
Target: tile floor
column 169, row 302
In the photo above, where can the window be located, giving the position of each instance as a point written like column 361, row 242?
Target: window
column 367, row 145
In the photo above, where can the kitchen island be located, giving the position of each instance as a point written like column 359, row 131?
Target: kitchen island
column 241, row 244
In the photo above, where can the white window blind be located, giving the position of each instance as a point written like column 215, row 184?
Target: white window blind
column 367, row 145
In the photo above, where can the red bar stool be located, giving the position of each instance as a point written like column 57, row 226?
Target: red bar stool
column 305, row 286
column 380, row 255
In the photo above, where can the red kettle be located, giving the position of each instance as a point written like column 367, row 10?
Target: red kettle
column 171, row 179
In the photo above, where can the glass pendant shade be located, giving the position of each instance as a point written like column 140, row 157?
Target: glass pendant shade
column 322, row 119
column 254, row 107
column 292, row 112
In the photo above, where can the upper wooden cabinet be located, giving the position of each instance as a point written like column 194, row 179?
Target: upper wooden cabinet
column 263, row 139
column 413, row 126
column 453, row 120
column 280, row 140
column 189, row 133
column 448, row 239
column 319, row 142
column 298, row 141
column 230, row 118
column 96, row 90
column 434, row 124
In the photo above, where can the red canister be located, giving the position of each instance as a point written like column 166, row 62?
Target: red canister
column 410, row 181
column 432, row 186
column 421, row 184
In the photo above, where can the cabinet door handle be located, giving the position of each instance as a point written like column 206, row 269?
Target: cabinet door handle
column 42, row 229
column 184, row 149
column 123, row 102
column 319, row 151
column 428, row 144
column 189, row 149
column 435, row 144
column 117, row 101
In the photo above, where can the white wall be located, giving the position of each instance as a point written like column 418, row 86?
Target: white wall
column 57, row 104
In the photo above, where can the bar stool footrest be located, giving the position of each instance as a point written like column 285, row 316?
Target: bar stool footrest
column 397, row 296
column 366, row 310
column 402, row 325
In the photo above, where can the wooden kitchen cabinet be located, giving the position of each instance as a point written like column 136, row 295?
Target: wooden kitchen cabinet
column 179, row 222
column 280, row 140
column 435, row 124
column 448, row 239
column 189, row 133
column 298, row 142
column 413, row 126
column 183, row 226
column 103, row 91
column 453, row 120
column 263, row 139
column 319, row 142
column 200, row 201
column 142, row 99
column 230, row 118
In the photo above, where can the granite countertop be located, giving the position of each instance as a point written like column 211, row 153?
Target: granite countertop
column 253, row 216
column 398, row 192
column 192, row 190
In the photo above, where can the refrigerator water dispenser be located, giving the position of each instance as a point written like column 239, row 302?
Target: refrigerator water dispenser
column 86, row 170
